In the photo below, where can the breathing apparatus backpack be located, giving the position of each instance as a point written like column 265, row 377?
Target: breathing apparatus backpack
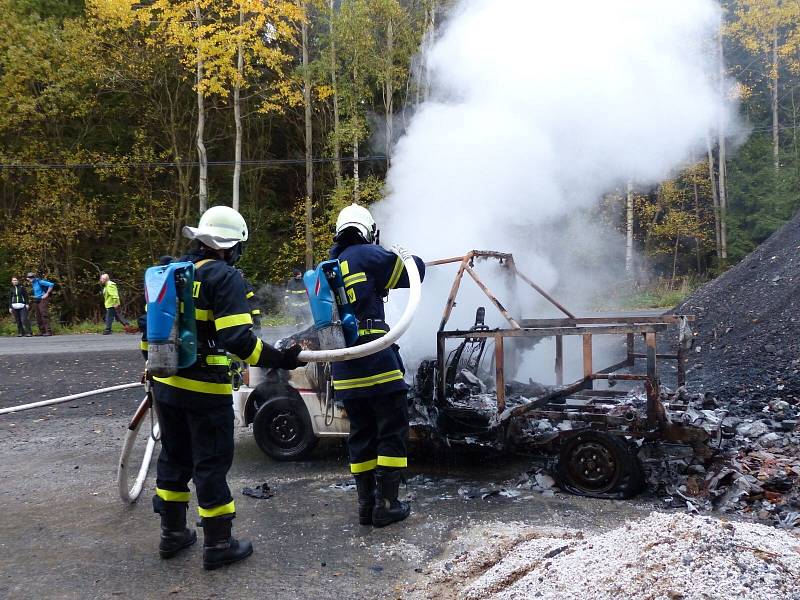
column 171, row 328
column 334, row 318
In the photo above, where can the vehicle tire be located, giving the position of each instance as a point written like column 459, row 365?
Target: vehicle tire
column 599, row 465
column 282, row 428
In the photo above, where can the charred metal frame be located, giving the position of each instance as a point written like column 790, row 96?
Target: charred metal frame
column 552, row 405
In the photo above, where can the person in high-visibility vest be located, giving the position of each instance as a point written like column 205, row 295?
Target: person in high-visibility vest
column 111, row 302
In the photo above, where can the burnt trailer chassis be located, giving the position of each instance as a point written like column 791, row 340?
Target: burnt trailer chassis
column 594, row 434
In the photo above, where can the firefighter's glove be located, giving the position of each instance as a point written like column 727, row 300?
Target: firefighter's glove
column 288, row 359
column 281, row 359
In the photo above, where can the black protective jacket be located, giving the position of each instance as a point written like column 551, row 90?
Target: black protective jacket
column 369, row 272
column 224, row 325
column 17, row 294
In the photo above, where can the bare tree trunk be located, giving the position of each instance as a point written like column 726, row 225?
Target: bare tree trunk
column 697, row 237
column 337, row 143
column 776, row 138
column 674, row 264
column 237, row 115
column 309, row 140
column 430, row 34
column 202, row 156
column 355, row 168
column 629, row 230
column 183, row 172
column 723, row 195
column 715, row 198
column 389, row 91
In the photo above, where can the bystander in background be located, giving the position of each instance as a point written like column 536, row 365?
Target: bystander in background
column 18, row 305
column 41, row 302
column 111, row 303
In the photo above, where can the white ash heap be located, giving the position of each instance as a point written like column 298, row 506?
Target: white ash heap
column 664, row 556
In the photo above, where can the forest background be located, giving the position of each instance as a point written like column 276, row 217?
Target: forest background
column 121, row 121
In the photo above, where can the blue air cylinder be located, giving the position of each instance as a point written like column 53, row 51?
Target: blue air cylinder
column 171, row 330
column 334, row 319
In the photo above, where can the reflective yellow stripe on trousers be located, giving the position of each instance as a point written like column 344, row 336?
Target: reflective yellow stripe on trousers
column 362, row 382
column 392, row 461
column 217, row 511
column 170, row 496
column 363, row 467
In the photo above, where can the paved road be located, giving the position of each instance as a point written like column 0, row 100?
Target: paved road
column 91, row 342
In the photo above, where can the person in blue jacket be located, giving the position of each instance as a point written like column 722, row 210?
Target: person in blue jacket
column 41, row 302
column 373, row 388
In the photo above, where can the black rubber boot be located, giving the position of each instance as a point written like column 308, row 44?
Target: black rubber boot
column 219, row 547
column 388, row 509
column 175, row 536
column 365, row 484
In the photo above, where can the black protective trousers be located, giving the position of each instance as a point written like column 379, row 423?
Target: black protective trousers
column 197, row 445
column 378, row 431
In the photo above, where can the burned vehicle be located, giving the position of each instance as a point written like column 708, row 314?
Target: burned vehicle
column 462, row 396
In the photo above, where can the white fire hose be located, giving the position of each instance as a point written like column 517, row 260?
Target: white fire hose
column 128, row 493
column 62, row 399
column 353, row 352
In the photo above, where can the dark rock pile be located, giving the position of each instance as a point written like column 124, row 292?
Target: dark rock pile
column 745, row 369
column 747, row 344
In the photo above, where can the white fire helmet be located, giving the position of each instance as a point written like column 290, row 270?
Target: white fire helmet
column 220, row 227
column 358, row 217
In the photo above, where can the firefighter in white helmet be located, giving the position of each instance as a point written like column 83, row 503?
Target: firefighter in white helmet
column 195, row 406
column 372, row 388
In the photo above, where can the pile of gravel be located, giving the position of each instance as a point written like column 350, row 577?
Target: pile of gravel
column 747, row 348
column 664, row 556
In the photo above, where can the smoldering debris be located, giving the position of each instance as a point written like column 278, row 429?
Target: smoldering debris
column 753, row 467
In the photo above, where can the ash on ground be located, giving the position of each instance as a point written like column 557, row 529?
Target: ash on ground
column 664, row 556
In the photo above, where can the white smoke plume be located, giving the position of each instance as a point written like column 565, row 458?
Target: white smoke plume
column 537, row 110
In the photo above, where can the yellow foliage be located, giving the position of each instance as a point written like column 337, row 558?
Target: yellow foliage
column 113, row 13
